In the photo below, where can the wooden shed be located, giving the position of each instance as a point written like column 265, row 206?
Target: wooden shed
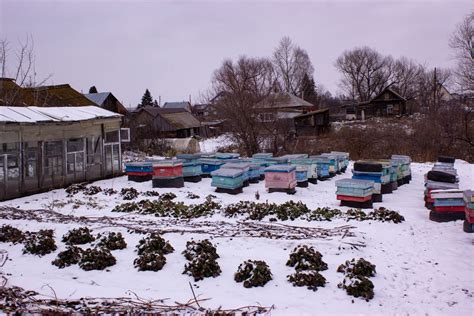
column 42, row 148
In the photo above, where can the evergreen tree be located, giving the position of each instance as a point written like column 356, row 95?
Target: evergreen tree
column 155, row 104
column 147, row 99
column 308, row 89
column 93, row 89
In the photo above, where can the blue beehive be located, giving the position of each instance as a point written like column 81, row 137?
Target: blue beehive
column 355, row 193
column 322, row 166
column 209, row 165
column 262, row 156
column 311, row 167
column 344, row 157
column 228, row 180
column 245, row 167
column 139, row 171
column 333, row 164
column 301, row 176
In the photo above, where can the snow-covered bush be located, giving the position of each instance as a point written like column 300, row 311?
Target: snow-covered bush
column 358, row 286
column 150, row 261
column 96, row 259
column 311, row 279
column 40, row 243
column 384, row 215
column 360, row 267
column 168, row 196
column 129, row 193
column 112, row 241
column 202, row 257
column 78, row 236
column 72, row 255
column 306, row 258
column 154, row 243
column 11, row 234
column 323, row 214
column 253, row 273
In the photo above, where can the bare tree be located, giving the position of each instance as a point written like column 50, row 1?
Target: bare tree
column 431, row 90
column 241, row 86
column 365, row 72
column 19, row 66
column 462, row 42
column 291, row 63
column 406, row 76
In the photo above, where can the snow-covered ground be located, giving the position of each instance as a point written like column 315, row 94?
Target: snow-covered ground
column 423, row 267
column 211, row 145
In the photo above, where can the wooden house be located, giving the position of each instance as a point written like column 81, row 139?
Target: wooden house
column 387, row 103
column 312, row 123
column 42, row 148
column 107, row 101
column 152, row 122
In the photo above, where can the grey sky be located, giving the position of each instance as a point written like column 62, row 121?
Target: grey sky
column 172, row 48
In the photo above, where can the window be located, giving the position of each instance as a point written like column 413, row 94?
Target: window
column 112, row 137
column 75, row 144
column 93, row 145
column 53, row 158
column 390, row 109
column 265, row 117
column 125, row 135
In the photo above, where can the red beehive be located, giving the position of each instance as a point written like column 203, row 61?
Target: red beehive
column 167, row 169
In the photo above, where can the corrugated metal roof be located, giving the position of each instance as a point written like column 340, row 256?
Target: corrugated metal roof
column 283, row 100
column 34, row 114
column 177, row 105
column 98, row 98
column 180, row 120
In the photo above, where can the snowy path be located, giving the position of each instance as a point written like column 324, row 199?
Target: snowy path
column 422, row 267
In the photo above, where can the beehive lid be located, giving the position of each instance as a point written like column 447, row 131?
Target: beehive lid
column 188, row 156
column 211, row 161
column 295, row 156
column 236, row 165
column 228, row 172
column 403, row 158
column 280, row 168
column 469, row 196
column 320, row 158
column 262, row 155
column 364, row 184
column 227, row 155
column 138, row 163
column 167, row 163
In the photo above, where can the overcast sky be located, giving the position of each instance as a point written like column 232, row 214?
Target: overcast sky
column 172, row 48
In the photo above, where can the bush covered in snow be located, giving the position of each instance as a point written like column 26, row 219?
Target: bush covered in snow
column 150, row 261
column 96, row 259
column 202, row 257
column 40, row 243
column 11, row 234
column 72, row 255
column 358, row 286
column 129, row 193
column 253, row 273
column 78, row 236
column 360, row 267
column 306, row 258
column 356, row 282
column 112, row 241
column 151, row 253
column 311, row 279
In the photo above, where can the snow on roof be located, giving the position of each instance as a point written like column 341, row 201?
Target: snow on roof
column 34, row 114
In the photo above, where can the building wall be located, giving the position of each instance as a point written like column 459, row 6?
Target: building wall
column 35, row 158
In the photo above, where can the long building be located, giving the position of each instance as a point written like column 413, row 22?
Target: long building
column 42, row 148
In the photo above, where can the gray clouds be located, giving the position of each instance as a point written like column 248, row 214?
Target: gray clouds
column 173, row 48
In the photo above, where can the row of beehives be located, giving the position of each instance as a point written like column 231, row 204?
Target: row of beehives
column 443, row 197
column 373, row 178
column 230, row 173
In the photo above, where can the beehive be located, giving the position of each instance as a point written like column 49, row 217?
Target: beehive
column 280, row 178
column 168, row 174
column 322, row 166
column 139, row 171
column 448, row 205
column 245, row 167
column 209, row 165
column 355, row 193
column 228, row 180
column 469, row 211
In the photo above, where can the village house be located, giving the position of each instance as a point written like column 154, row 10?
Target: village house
column 149, row 122
column 387, row 103
column 107, row 101
column 42, row 148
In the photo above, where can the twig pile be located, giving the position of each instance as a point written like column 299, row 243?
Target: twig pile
column 162, row 225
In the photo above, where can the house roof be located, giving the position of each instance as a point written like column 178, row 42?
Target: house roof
column 57, row 95
column 283, row 100
column 177, row 105
column 181, row 120
column 34, row 114
column 398, row 96
column 98, row 98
